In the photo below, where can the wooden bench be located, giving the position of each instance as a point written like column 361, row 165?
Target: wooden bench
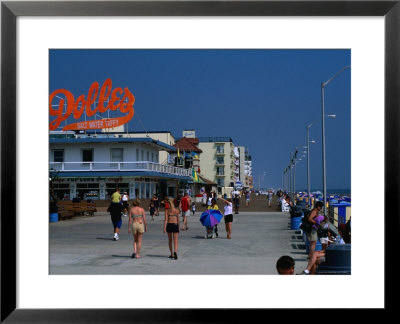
column 68, row 208
column 65, row 214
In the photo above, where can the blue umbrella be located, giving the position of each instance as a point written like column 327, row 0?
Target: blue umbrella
column 210, row 217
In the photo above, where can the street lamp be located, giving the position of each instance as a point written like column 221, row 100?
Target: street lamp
column 259, row 180
column 323, row 85
column 293, row 160
column 308, row 156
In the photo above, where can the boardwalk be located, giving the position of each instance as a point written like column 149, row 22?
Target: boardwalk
column 84, row 245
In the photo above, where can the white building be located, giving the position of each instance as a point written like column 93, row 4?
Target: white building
column 92, row 165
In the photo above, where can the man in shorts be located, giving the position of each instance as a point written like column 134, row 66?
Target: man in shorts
column 185, row 207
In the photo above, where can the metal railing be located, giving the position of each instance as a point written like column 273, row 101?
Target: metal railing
column 117, row 166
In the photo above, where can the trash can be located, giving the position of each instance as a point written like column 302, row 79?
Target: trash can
column 295, row 222
column 53, row 212
column 53, row 217
column 337, row 260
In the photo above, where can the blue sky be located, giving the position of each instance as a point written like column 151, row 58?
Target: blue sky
column 262, row 99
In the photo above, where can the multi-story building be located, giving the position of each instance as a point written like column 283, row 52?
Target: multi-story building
column 248, row 173
column 92, row 165
column 217, row 161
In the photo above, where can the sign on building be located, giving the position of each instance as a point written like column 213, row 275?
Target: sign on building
column 98, row 100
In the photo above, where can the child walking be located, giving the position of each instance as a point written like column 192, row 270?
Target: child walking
column 193, row 208
column 152, row 209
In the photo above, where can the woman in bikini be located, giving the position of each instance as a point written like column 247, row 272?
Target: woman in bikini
column 137, row 218
column 171, row 227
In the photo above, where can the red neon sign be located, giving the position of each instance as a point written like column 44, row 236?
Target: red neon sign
column 121, row 99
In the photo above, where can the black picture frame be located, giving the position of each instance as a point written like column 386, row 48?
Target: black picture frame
column 10, row 10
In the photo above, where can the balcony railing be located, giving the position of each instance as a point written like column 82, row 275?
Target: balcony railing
column 117, row 166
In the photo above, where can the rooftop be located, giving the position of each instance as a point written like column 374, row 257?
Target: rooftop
column 215, row 139
column 107, row 139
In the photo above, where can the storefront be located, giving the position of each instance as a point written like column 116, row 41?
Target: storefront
column 67, row 187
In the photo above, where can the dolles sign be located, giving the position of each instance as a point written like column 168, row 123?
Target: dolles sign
column 118, row 99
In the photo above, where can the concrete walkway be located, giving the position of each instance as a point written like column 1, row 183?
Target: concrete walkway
column 84, row 245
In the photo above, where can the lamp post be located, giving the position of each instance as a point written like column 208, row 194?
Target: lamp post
column 293, row 161
column 308, row 157
column 259, row 179
column 323, row 85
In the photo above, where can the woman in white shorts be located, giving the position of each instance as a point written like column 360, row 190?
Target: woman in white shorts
column 137, row 219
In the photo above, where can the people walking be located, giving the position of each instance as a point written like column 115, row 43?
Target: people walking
column 166, row 205
column 228, row 217
column 171, row 227
column 152, row 210
column 125, row 203
column 185, row 208
column 115, row 210
column 193, row 208
column 137, row 219
column 212, row 231
column 247, row 198
column 156, row 204
column 236, row 203
column 269, row 198
column 116, row 196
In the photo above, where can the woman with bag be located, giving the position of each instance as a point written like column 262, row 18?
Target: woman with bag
column 312, row 236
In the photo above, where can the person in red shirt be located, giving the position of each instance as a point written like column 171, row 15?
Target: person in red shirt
column 185, row 207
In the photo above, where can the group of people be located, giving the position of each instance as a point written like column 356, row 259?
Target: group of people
column 284, row 200
column 323, row 230
column 173, row 209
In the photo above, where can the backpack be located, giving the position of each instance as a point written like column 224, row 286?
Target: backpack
column 305, row 225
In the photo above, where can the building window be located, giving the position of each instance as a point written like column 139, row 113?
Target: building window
column 58, row 155
column 116, row 155
column 148, row 156
column 142, row 153
column 152, row 157
column 87, row 155
column 137, row 155
column 220, row 182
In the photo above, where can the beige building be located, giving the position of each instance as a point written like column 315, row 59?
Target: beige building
column 217, row 161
